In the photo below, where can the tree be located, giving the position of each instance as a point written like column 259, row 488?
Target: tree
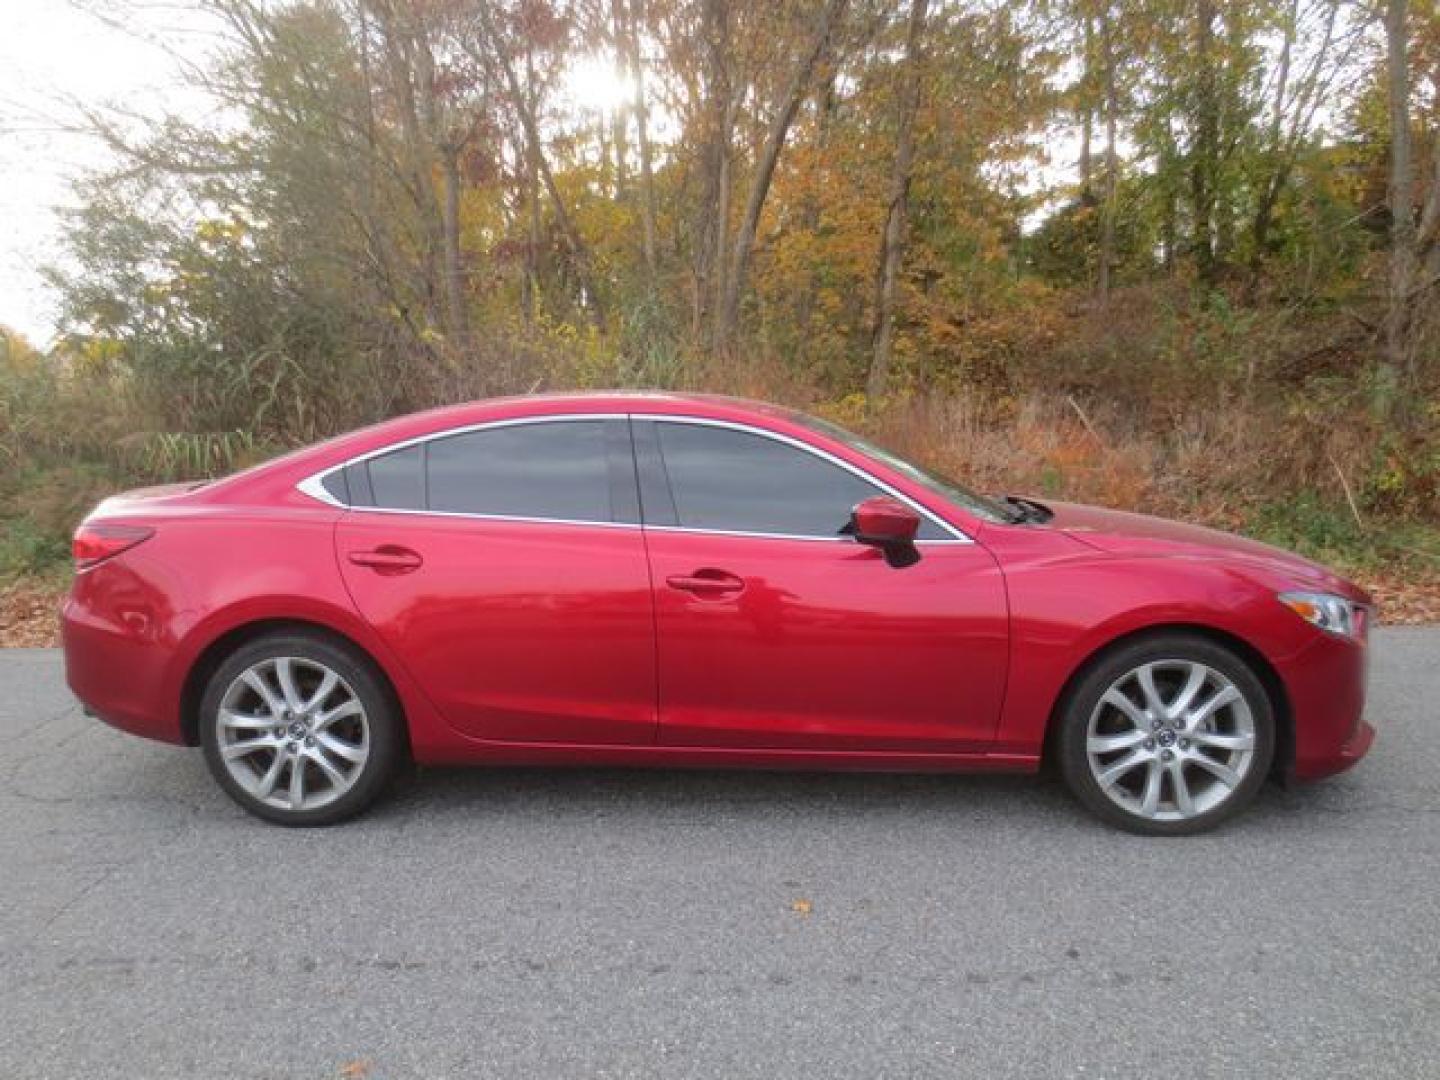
column 734, row 282
column 892, row 243
column 1402, row 221
column 489, row 45
column 1112, row 164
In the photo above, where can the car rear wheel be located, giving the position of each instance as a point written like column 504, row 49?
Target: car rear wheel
column 1167, row 735
column 299, row 730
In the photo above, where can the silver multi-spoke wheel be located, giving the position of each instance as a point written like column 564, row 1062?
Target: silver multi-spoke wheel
column 292, row 733
column 1170, row 740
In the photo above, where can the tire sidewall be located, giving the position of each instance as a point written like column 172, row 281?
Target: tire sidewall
column 381, row 712
column 1081, row 702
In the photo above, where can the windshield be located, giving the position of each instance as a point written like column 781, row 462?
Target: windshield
column 979, row 505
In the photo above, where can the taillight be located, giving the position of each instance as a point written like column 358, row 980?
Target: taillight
column 94, row 543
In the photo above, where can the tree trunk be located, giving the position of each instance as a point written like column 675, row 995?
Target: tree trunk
column 1205, row 148
column 1087, row 115
column 642, row 139
column 712, row 211
column 826, row 102
column 524, row 110
column 1402, row 222
column 1427, row 240
column 459, row 317
column 530, row 292
column 892, row 244
column 729, row 315
column 1112, row 167
column 406, row 60
column 1275, row 182
column 620, row 121
column 724, row 185
column 1425, row 312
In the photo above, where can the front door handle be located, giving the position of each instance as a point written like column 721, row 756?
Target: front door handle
column 388, row 559
column 707, row 582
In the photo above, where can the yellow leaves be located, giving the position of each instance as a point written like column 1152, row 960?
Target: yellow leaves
column 17, row 354
column 849, row 411
column 93, row 356
column 215, row 231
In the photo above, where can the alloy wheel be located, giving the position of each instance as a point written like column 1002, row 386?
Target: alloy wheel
column 292, row 733
column 1170, row 740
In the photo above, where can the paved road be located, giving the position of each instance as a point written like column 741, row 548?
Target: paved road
column 544, row 924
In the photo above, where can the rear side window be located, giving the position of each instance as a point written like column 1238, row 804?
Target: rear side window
column 567, row 470
column 551, row 470
column 397, row 479
column 734, row 481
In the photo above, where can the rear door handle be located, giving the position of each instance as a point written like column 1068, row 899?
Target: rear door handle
column 388, row 559
column 707, row 582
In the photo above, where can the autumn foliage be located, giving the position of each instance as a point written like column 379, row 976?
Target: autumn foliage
column 1142, row 253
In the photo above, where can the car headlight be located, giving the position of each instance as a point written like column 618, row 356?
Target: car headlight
column 1333, row 614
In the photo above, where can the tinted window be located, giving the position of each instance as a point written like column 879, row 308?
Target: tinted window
column 336, row 485
column 738, row 482
column 979, row 505
column 397, row 481
column 555, row 470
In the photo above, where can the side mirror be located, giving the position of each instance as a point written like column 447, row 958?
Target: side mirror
column 889, row 525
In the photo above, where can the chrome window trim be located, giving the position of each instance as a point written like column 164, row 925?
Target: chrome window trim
column 315, row 488
column 313, row 485
column 957, row 537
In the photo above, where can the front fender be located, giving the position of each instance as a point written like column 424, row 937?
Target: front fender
column 1063, row 612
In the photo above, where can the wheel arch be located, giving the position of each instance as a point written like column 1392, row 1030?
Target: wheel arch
column 214, row 653
column 1264, row 670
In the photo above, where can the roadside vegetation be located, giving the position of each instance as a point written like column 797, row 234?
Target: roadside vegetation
column 1179, row 257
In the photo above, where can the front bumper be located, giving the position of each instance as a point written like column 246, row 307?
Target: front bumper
column 1325, row 684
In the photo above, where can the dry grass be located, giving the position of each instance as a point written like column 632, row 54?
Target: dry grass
column 30, row 616
column 1253, row 421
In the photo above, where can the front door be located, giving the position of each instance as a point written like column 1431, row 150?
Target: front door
column 775, row 630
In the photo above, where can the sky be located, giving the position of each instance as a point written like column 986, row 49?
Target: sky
column 53, row 55
column 57, row 55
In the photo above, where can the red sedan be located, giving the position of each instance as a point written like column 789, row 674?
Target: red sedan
column 647, row 579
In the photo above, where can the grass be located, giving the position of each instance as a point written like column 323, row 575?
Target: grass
column 1331, row 534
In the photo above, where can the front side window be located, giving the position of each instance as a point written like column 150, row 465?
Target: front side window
column 983, row 507
column 726, row 480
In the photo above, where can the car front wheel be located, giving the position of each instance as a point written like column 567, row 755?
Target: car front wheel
column 1167, row 735
column 298, row 730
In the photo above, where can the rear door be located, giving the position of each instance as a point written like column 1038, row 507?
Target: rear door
column 505, row 567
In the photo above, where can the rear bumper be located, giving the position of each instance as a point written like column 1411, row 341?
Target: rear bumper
column 117, row 668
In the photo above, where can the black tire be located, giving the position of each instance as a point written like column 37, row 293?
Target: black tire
column 382, row 717
column 1081, row 703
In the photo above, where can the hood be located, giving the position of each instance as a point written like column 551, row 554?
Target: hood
column 1119, row 533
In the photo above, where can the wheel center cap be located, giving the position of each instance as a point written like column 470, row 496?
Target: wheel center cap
column 1165, row 736
column 298, row 729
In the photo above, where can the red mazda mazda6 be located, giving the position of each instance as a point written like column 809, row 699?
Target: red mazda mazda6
column 648, row 579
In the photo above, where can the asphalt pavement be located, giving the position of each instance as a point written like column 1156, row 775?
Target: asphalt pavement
column 549, row 924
